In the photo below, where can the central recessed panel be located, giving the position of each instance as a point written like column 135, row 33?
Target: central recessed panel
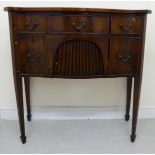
column 78, row 58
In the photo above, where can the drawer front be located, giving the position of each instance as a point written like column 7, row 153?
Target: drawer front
column 124, row 55
column 30, row 23
column 32, row 57
column 126, row 24
column 68, row 23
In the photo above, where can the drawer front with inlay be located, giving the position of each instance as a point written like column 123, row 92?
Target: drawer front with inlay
column 126, row 24
column 30, row 23
column 32, row 55
column 124, row 55
column 78, row 23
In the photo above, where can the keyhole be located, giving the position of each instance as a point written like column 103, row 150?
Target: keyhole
column 56, row 63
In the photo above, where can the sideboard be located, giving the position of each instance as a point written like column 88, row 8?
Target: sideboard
column 77, row 43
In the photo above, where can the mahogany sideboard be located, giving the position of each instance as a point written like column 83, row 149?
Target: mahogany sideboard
column 77, row 43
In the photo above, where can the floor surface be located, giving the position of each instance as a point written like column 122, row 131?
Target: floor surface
column 77, row 136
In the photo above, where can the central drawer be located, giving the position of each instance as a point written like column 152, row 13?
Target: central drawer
column 78, row 23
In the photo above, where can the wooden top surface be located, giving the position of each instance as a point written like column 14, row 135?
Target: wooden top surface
column 58, row 9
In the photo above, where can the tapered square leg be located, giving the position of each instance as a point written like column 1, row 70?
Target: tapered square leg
column 129, row 89
column 136, row 96
column 27, row 93
column 20, row 107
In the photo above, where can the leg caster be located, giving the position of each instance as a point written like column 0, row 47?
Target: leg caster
column 133, row 138
column 127, row 117
column 23, row 139
column 29, row 117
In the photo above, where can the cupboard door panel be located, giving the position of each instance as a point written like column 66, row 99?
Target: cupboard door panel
column 73, row 56
column 32, row 56
column 124, row 55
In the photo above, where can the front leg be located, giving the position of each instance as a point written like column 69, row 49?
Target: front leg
column 136, row 97
column 27, row 93
column 20, row 107
column 129, row 89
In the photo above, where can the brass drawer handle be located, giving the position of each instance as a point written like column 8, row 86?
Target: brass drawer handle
column 31, row 25
column 32, row 57
column 79, row 26
column 126, row 28
column 126, row 25
column 125, row 57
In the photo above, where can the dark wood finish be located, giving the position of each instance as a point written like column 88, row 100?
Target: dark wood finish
column 137, row 85
column 32, row 55
column 136, row 97
column 30, row 22
column 20, row 106
column 124, row 55
column 17, row 81
column 27, row 94
column 126, row 24
column 129, row 88
column 75, row 58
column 71, row 57
column 77, row 43
column 31, row 51
column 59, row 9
column 76, row 23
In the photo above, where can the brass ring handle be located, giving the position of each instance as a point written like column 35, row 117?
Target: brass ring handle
column 31, row 57
column 124, row 58
column 79, row 26
column 31, row 25
column 126, row 27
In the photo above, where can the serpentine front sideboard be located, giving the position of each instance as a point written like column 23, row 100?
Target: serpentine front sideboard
column 77, row 43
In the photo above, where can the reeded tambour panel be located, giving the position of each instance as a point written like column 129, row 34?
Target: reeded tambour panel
column 78, row 58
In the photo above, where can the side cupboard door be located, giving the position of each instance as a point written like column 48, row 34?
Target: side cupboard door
column 32, row 55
